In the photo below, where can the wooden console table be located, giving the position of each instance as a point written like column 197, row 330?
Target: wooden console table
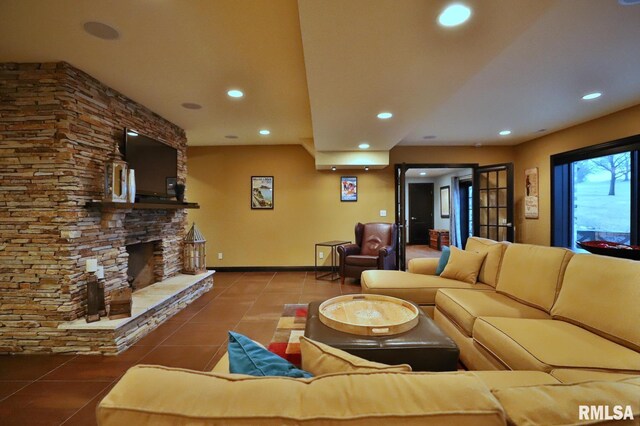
column 438, row 238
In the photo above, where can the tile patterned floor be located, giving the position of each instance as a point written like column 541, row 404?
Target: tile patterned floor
column 65, row 389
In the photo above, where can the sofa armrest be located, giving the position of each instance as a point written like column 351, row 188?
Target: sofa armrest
column 386, row 251
column 387, row 258
column 348, row 249
column 423, row 265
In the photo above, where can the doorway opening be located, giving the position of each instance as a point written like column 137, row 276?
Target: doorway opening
column 445, row 204
column 428, row 203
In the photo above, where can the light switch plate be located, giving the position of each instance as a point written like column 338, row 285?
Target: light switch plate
column 383, row 213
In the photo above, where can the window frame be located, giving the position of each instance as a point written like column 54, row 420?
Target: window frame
column 562, row 190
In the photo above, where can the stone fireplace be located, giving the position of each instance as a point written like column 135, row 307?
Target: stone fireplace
column 58, row 129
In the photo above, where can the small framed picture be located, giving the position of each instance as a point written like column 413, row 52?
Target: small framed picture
column 349, row 188
column 171, row 186
column 261, row 192
column 445, row 208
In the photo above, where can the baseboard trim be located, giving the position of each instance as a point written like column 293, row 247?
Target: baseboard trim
column 268, row 268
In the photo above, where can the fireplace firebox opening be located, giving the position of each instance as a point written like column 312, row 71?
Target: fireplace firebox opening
column 142, row 264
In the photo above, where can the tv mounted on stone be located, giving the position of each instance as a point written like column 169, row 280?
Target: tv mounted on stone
column 155, row 164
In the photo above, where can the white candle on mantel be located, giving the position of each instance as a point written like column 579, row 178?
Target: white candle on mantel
column 92, row 265
column 100, row 273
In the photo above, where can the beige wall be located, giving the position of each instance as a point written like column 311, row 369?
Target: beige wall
column 307, row 207
column 537, row 153
column 307, row 203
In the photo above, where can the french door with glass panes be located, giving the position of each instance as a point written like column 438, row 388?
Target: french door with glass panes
column 493, row 202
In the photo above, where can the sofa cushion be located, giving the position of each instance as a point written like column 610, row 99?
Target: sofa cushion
column 576, row 375
column 560, row 404
column 361, row 260
column 417, row 288
column 168, row 396
column 463, row 265
column 492, row 263
column 462, row 307
column 542, row 345
column 601, row 294
column 318, row 359
column 248, row 357
column 533, row 274
column 509, row 379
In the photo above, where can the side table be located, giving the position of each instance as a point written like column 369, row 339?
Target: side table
column 333, row 267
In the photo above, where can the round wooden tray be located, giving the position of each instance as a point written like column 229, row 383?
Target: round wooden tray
column 369, row 314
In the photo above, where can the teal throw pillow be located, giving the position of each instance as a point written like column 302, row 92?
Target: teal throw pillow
column 247, row 357
column 444, row 258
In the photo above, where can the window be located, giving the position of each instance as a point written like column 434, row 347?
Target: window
column 595, row 194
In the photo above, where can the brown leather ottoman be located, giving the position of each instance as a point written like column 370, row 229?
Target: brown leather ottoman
column 425, row 347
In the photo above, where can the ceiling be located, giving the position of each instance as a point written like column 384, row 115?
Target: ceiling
column 316, row 73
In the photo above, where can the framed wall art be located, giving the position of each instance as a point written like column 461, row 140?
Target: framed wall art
column 445, row 198
column 531, row 193
column 261, row 192
column 349, row 188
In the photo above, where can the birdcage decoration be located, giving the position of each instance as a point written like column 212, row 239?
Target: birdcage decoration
column 194, row 256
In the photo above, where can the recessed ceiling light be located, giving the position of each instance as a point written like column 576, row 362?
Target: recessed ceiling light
column 132, row 132
column 429, row 137
column 423, row 173
column 364, row 146
column 478, row 145
column 264, row 132
column 454, row 15
column 191, row 105
column 366, row 168
column 231, row 137
column 541, row 130
column 100, row 30
column 590, row 96
column 505, row 132
column 385, row 115
column 235, row 93
column 333, row 168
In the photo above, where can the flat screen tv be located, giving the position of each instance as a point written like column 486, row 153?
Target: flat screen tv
column 155, row 164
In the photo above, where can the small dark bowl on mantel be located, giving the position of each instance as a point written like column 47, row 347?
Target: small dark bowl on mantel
column 609, row 248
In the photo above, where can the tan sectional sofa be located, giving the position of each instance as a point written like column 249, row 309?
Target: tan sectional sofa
column 155, row 395
column 421, row 284
column 550, row 310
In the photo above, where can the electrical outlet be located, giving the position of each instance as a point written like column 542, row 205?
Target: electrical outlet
column 219, row 256
column 383, row 213
column 321, row 255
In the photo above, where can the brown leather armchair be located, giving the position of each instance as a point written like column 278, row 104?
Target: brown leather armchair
column 375, row 248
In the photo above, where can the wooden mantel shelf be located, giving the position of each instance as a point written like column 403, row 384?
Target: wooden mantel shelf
column 108, row 205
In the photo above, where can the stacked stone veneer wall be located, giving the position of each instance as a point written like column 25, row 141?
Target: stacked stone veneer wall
column 58, row 128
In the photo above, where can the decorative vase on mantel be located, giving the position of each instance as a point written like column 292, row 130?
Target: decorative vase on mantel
column 179, row 188
column 131, row 186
